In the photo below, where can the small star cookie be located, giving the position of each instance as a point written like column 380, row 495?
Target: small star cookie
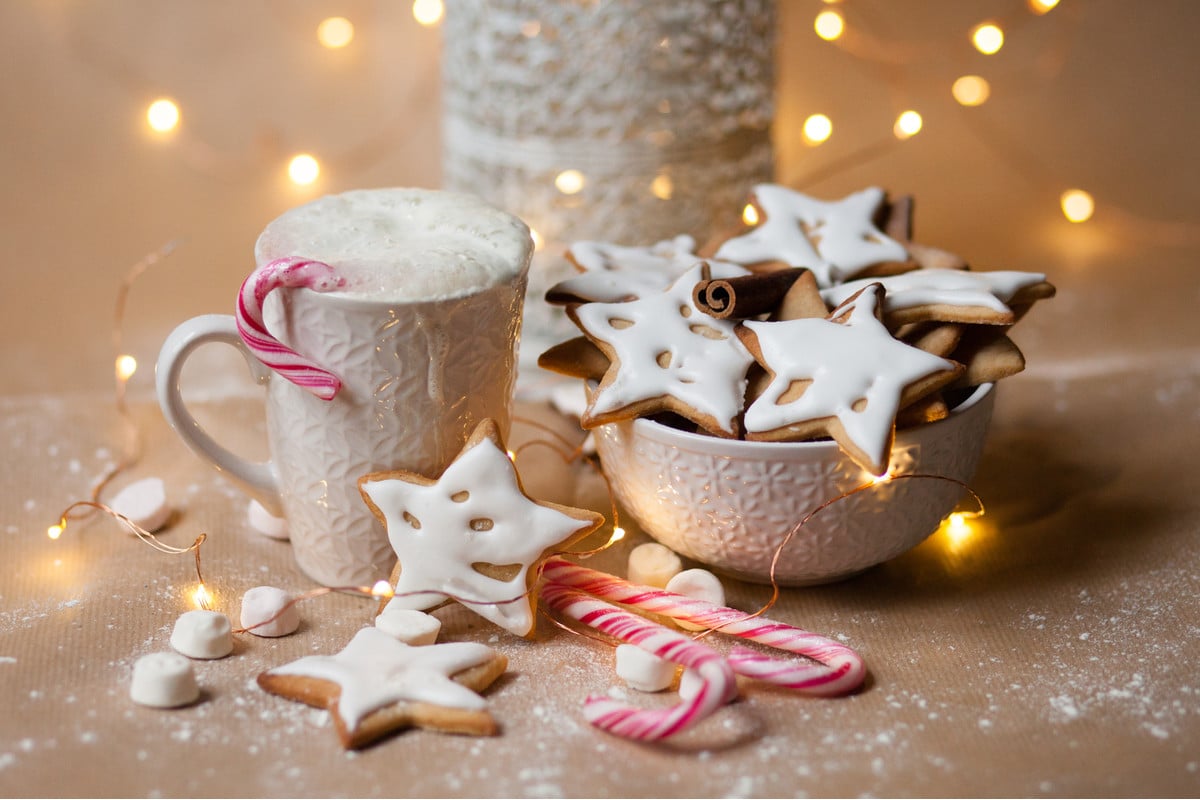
column 378, row 684
column 843, row 376
column 836, row 240
column 666, row 355
column 612, row 273
column 472, row 535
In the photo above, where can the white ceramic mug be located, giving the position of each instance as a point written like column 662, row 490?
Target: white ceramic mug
column 424, row 347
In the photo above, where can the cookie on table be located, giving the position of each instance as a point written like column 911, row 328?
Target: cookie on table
column 949, row 295
column 472, row 535
column 842, row 376
column 612, row 273
column 378, row 685
column 837, row 240
column 666, row 355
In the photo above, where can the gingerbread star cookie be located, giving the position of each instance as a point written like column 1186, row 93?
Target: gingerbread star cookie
column 472, row 535
column 836, row 240
column 843, row 376
column 378, row 684
column 612, row 273
column 950, row 295
column 665, row 355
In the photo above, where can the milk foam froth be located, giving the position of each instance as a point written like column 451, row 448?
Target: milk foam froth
column 403, row 244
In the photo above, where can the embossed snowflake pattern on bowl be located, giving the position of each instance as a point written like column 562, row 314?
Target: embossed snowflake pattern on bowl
column 729, row 504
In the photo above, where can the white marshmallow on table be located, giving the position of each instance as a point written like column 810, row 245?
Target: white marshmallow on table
column 642, row 670
column 266, row 523
column 652, row 564
column 144, row 503
column 689, row 684
column 263, row 603
column 163, row 680
column 203, row 634
column 699, row 584
column 408, row 625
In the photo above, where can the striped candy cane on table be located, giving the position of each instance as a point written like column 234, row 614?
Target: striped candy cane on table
column 838, row 669
column 289, row 273
column 717, row 687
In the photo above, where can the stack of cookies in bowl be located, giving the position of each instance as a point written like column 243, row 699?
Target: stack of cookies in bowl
column 737, row 388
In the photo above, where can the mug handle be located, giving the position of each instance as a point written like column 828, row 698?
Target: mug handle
column 258, row 480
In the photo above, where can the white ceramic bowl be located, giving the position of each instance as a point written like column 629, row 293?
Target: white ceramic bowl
column 729, row 504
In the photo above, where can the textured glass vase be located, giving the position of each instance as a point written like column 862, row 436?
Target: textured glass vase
column 626, row 121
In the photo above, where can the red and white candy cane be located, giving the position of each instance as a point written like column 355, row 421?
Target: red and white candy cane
column 285, row 273
column 838, row 669
column 718, row 685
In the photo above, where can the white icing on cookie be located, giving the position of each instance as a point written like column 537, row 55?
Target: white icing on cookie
column 613, row 272
column 835, row 240
column 163, row 680
column 263, row 603
column 376, row 670
column 848, row 362
column 203, row 634
column 474, row 514
column 664, row 346
column 953, row 287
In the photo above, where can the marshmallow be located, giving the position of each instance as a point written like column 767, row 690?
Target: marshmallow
column 163, row 680
column 689, row 684
column 144, row 503
column 643, row 670
column 407, row 625
column 699, row 584
column 203, row 634
column 264, row 602
column 652, row 564
column 265, row 522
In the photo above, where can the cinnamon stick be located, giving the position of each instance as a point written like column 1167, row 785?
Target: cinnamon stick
column 745, row 297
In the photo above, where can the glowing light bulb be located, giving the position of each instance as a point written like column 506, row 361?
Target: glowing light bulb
column 55, row 531
column 958, row 528
column 163, row 115
column 1042, row 6
column 1077, row 205
column 971, row 90
column 817, row 129
column 908, row 124
column 303, row 169
column 829, row 25
column 750, row 215
column 382, row 589
column 335, row 32
column 538, row 241
column 126, row 366
column 987, row 38
column 884, row 478
column 428, row 12
column 617, row 535
column 201, row 597
column 662, row 186
column 511, row 455
column 569, row 181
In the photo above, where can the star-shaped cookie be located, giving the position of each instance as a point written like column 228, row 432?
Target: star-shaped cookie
column 836, row 240
column 472, row 535
column 666, row 355
column 611, row 273
column 378, row 684
column 844, row 376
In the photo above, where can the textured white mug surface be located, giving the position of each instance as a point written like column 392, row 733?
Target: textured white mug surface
column 423, row 339
column 730, row 504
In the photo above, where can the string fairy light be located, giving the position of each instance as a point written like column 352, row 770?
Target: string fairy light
column 817, row 129
column 829, row 25
column 570, row 181
column 988, row 38
column 303, row 169
column 908, row 125
column 335, row 32
column 428, row 12
column 163, row 115
column 1077, row 205
column 971, row 90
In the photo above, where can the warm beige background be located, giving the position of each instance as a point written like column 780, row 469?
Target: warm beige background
column 1052, row 654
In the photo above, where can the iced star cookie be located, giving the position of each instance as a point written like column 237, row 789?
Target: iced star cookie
column 665, row 355
column 950, row 295
column 844, row 376
column 377, row 685
column 612, row 273
column 471, row 535
column 836, row 240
